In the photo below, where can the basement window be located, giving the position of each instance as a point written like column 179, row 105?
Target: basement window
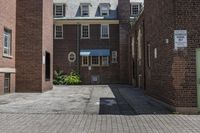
column 47, row 66
column 7, row 83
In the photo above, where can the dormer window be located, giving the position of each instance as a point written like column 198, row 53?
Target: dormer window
column 85, row 10
column 135, row 9
column 104, row 9
column 59, row 10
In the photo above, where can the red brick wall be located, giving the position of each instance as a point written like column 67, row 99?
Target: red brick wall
column 47, row 40
column 172, row 76
column 32, row 39
column 137, row 66
column 124, row 39
column 62, row 47
column 7, row 20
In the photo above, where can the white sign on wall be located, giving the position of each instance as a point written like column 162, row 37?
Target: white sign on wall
column 180, row 38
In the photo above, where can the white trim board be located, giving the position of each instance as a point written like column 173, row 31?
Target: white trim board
column 7, row 70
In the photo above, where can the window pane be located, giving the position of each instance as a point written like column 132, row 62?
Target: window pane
column 135, row 9
column 105, row 31
column 105, row 61
column 59, row 31
column 95, row 60
column 59, row 10
column 7, row 42
column 85, row 31
column 85, row 10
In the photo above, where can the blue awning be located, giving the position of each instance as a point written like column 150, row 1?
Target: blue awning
column 95, row 52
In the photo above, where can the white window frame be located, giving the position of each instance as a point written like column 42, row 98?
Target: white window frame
column 62, row 5
column 85, row 65
column 107, row 60
column 83, row 10
column 88, row 37
column 104, row 11
column 135, row 4
column 98, row 61
column 55, row 32
column 114, row 57
column 7, row 34
column 102, row 37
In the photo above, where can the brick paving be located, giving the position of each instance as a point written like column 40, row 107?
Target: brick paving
column 90, row 109
column 69, row 123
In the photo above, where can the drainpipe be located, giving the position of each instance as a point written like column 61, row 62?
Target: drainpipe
column 78, row 48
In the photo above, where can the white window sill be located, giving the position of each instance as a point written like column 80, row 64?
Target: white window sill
column 58, row 38
column 85, row 38
column 8, row 56
column 104, row 38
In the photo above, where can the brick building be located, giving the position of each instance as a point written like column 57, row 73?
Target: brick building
column 7, row 46
column 92, row 39
column 34, row 45
column 26, row 39
column 170, row 52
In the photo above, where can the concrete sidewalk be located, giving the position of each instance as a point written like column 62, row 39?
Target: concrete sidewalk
column 91, row 99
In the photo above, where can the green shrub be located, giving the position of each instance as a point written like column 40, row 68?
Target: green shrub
column 59, row 78
column 72, row 79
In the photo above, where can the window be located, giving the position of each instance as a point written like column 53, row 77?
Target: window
column 59, row 10
column 7, row 42
column 104, row 31
column 85, row 31
column 155, row 53
column 114, row 56
column 58, row 31
column 95, row 60
column 104, row 10
column 85, row 10
column 47, row 66
column 135, row 9
column 105, row 61
column 7, row 83
column 85, row 61
column 71, row 57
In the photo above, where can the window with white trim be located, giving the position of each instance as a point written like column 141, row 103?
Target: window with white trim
column 58, row 31
column 85, row 61
column 85, row 10
column 114, row 57
column 104, row 31
column 105, row 61
column 104, row 10
column 135, row 9
column 7, row 42
column 59, row 10
column 85, row 31
column 95, row 61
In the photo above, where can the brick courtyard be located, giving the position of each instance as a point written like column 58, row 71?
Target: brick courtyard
column 90, row 109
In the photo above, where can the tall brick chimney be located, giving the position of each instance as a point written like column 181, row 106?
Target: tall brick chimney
column 124, row 18
column 34, row 45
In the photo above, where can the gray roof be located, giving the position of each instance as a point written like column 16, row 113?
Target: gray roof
column 73, row 8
